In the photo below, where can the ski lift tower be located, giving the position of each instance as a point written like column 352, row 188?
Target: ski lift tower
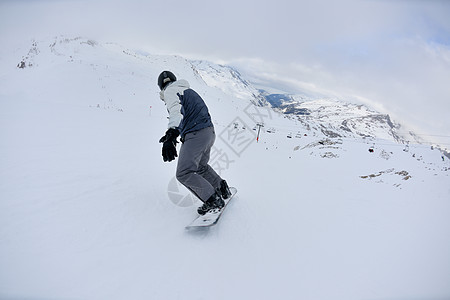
column 259, row 129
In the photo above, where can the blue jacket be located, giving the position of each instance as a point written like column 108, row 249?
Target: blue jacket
column 187, row 110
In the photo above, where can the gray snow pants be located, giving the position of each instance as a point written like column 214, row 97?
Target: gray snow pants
column 193, row 170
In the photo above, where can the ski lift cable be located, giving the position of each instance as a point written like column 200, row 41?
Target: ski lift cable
column 291, row 130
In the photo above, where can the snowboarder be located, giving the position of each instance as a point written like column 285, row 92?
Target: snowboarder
column 189, row 118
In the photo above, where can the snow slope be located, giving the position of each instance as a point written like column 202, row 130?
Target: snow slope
column 88, row 209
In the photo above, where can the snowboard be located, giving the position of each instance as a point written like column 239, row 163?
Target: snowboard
column 212, row 217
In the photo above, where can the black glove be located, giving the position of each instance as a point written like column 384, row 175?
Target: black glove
column 169, row 150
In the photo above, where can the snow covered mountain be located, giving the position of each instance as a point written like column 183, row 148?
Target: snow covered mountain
column 334, row 118
column 333, row 202
column 321, row 116
column 229, row 81
column 329, row 117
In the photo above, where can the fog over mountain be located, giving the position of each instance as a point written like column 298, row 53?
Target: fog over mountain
column 390, row 55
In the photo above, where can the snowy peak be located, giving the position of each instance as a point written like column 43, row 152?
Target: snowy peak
column 229, row 80
column 334, row 118
column 57, row 47
column 326, row 117
column 337, row 119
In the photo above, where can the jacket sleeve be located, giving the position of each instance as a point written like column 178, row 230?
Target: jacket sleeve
column 173, row 105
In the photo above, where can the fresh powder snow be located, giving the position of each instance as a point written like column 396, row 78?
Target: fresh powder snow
column 326, row 209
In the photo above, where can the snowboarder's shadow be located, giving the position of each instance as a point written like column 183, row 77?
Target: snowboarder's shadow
column 199, row 232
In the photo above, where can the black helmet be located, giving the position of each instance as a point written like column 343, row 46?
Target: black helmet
column 164, row 78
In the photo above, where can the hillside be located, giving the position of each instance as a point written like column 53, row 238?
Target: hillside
column 88, row 209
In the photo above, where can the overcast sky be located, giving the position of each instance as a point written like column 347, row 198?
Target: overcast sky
column 391, row 54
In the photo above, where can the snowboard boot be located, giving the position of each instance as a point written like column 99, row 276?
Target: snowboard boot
column 224, row 190
column 214, row 202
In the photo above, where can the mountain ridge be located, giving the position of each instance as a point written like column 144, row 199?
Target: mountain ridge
column 331, row 117
column 89, row 210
